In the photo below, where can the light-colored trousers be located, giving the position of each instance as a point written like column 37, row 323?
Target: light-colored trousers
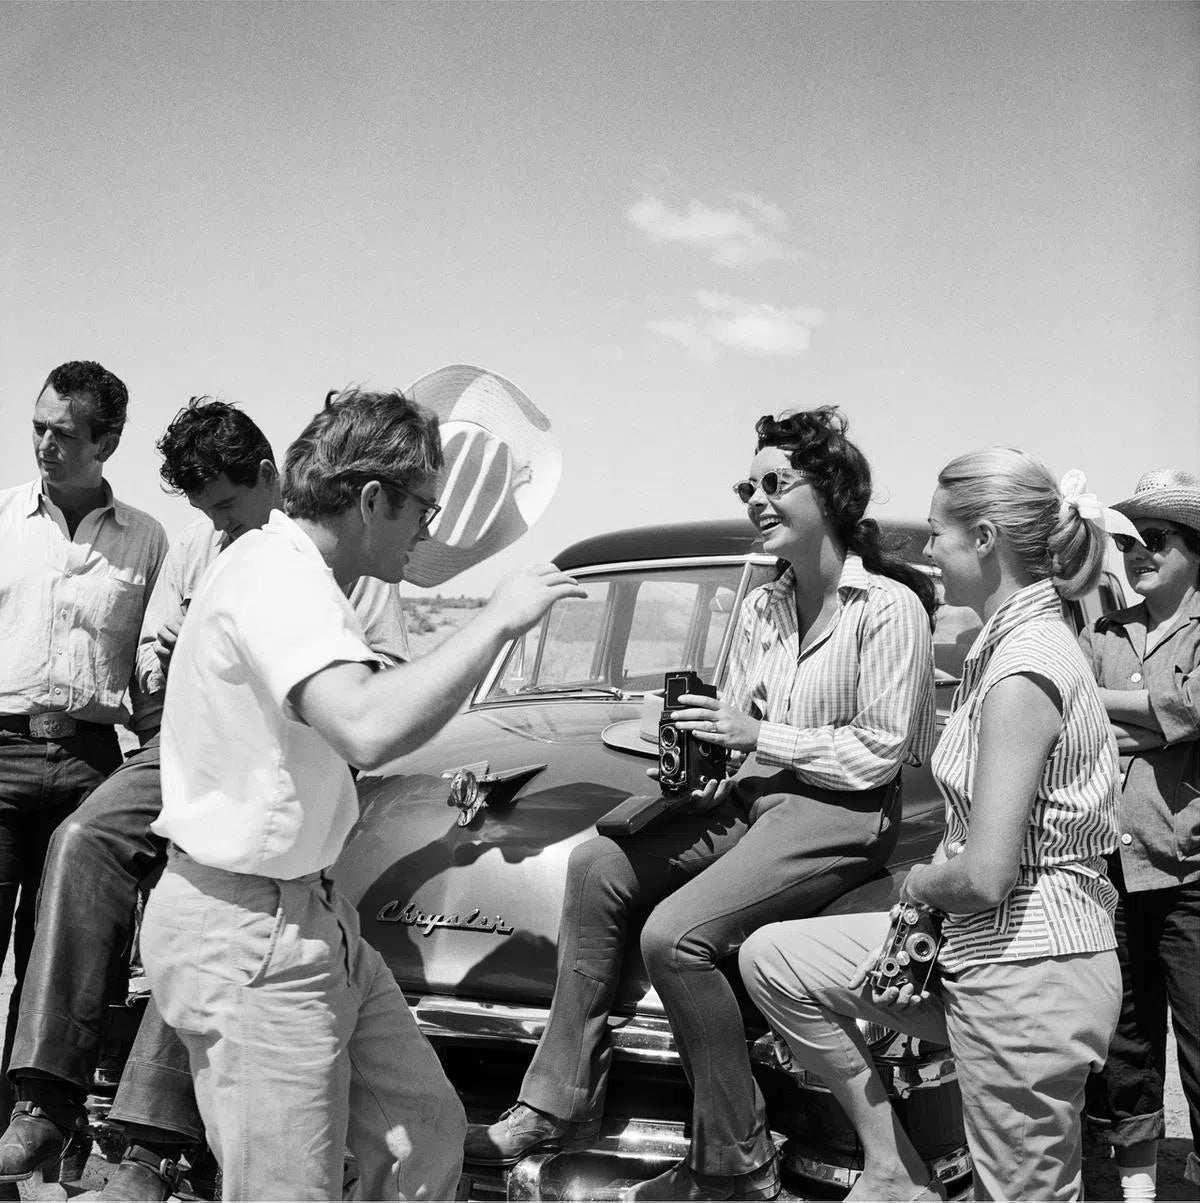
column 1025, row 1035
column 299, row 1039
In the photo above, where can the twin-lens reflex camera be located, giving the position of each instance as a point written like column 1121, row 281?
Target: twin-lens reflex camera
column 685, row 763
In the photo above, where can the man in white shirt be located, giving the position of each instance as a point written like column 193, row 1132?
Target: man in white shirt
column 299, row 1039
column 216, row 456
column 77, row 571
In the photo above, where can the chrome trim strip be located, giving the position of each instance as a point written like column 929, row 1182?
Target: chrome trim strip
column 641, row 1038
column 646, row 1039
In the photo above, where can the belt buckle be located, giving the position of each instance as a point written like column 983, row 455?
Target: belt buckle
column 53, row 725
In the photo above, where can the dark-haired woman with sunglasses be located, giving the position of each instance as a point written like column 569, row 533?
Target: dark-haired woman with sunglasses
column 1147, row 662
column 829, row 694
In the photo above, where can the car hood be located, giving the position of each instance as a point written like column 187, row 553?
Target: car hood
column 473, row 910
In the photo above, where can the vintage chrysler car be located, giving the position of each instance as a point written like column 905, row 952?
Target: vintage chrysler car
column 459, row 879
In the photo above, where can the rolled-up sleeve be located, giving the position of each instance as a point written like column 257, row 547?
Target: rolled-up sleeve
column 146, row 695
column 894, row 689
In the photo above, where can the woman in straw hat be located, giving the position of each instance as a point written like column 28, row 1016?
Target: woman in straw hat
column 1030, row 985
column 1146, row 659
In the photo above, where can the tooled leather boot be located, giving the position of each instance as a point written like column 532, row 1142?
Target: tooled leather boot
column 143, row 1176
column 54, row 1141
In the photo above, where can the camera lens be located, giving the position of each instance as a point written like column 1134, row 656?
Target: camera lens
column 668, row 737
column 668, row 762
column 920, row 947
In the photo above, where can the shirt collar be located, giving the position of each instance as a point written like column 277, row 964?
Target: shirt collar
column 281, row 526
column 1038, row 600
column 1137, row 615
column 34, row 497
column 854, row 578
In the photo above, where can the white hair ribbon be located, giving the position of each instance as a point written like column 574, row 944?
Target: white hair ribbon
column 1073, row 488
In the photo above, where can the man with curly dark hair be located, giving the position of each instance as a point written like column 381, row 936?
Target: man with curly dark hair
column 217, row 457
column 77, row 572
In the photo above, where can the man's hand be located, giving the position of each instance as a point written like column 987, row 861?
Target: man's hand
column 521, row 599
column 165, row 640
column 899, row 997
column 711, row 720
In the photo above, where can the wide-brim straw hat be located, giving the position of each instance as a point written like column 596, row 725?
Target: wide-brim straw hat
column 1168, row 493
column 500, row 472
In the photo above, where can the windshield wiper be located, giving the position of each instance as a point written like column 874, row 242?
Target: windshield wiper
column 606, row 690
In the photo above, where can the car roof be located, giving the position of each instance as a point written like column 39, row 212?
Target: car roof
column 716, row 537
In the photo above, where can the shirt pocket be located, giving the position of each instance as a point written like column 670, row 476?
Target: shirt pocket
column 114, row 609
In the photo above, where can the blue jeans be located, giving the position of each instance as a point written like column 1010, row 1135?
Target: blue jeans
column 299, row 1040
column 41, row 783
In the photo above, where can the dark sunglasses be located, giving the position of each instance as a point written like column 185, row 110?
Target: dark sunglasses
column 772, row 484
column 1152, row 540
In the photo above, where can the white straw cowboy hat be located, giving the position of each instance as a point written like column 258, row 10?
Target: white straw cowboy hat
column 501, row 469
column 1168, row 493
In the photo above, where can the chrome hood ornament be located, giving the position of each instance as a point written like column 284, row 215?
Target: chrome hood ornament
column 472, row 785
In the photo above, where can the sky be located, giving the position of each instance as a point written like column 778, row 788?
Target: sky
column 964, row 223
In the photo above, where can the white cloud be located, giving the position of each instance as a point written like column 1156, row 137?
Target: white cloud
column 685, row 332
column 747, row 232
column 754, row 327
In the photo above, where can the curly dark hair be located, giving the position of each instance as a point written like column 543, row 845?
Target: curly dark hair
column 208, row 437
column 816, row 444
column 108, row 396
column 358, row 437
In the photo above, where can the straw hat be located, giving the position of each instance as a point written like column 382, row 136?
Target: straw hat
column 1168, row 493
column 501, row 469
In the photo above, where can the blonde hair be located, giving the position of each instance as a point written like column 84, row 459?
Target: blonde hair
column 1016, row 493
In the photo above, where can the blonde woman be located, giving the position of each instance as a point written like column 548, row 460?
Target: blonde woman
column 1030, row 986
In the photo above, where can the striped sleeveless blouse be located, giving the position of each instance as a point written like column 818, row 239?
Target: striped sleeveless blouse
column 1063, row 902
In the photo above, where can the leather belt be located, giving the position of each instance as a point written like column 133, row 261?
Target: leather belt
column 52, row 725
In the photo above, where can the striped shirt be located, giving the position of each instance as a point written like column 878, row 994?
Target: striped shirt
column 858, row 702
column 1062, row 902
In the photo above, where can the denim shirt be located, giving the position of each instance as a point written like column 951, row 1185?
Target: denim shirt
column 1160, row 793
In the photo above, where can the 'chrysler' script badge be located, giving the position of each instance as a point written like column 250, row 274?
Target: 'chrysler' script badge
column 427, row 923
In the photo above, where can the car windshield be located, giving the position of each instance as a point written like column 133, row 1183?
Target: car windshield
column 635, row 626
column 630, row 629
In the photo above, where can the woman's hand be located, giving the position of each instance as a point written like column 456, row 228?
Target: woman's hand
column 711, row 720
column 900, row 997
column 708, row 798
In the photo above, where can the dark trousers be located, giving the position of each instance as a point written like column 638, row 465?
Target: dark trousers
column 1158, row 943
column 775, row 849
column 97, row 863
column 41, row 783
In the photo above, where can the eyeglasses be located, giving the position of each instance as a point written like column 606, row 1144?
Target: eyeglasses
column 1153, row 540
column 772, row 483
column 429, row 509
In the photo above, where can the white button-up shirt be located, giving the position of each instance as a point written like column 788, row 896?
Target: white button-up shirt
column 71, row 607
column 376, row 603
column 247, row 785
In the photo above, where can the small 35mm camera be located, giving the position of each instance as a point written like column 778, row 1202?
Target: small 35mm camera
column 910, row 953
column 685, row 763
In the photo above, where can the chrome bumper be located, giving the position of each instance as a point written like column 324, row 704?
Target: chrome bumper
column 630, row 1151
